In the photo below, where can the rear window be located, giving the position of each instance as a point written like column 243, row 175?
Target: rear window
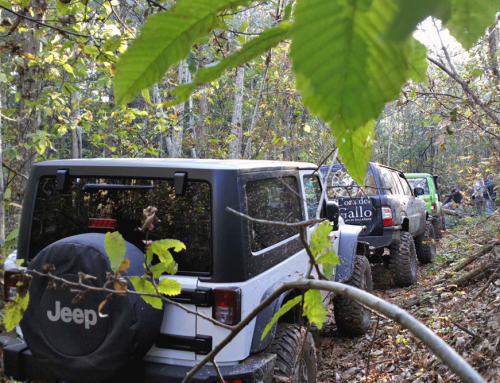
column 186, row 218
column 340, row 184
column 419, row 183
column 273, row 199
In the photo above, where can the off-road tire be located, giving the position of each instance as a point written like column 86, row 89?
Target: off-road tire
column 287, row 345
column 425, row 244
column 352, row 318
column 404, row 263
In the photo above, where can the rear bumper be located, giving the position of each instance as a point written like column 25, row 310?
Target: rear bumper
column 391, row 235
column 21, row 365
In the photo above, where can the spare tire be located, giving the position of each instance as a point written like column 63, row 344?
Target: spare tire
column 71, row 339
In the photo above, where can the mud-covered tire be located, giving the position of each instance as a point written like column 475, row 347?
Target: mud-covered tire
column 287, row 345
column 425, row 245
column 352, row 318
column 404, row 263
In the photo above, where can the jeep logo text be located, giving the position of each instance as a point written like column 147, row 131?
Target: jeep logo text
column 77, row 315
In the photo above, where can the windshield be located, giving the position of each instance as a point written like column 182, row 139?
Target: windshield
column 340, row 184
column 419, row 183
column 186, row 218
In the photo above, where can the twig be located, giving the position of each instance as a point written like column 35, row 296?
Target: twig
column 218, row 370
column 492, row 278
column 370, row 348
column 45, row 24
column 14, row 171
column 312, row 260
column 465, row 329
column 275, row 223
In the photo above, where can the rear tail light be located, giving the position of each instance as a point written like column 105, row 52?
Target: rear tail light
column 102, row 223
column 387, row 216
column 433, row 208
column 10, row 280
column 227, row 306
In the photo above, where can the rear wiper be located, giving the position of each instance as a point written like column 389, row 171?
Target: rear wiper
column 91, row 187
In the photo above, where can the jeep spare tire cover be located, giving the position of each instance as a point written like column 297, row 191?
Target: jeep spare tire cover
column 71, row 339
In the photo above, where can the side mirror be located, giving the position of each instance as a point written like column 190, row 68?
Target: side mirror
column 332, row 213
column 418, row 191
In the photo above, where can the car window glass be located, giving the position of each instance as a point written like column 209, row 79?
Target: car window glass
column 312, row 189
column 186, row 218
column 419, row 183
column 272, row 199
column 387, row 182
column 398, row 189
column 406, row 187
column 340, row 184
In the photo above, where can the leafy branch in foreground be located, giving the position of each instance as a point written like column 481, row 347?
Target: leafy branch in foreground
column 349, row 58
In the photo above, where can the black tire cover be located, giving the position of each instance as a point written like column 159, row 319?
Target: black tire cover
column 70, row 339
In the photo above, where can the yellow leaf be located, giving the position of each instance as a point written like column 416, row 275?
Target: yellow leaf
column 27, row 55
column 120, row 286
column 124, row 265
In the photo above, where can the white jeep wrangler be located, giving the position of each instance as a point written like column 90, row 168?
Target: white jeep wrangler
column 229, row 266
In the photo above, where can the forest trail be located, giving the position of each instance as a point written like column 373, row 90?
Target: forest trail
column 468, row 323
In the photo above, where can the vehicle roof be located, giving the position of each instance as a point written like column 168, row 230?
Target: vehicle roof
column 417, row 175
column 336, row 166
column 185, row 163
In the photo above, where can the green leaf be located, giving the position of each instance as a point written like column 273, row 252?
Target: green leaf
column 413, row 93
column 112, row 44
column 477, row 73
column 417, row 61
column 320, row 239
column 144, row 286
column 241, row 39
column 313, row 308
column 8, row 193
column 13, row 234
column 243, row 26
column 114, row 244
column 255, row 47
column 14, row 311
column 329, row 256
column 470, row 18
column 161, row 268
column 68, row 68
column 411, row 13
column 283, row 310
column 344, row 70
column 355, row 149
column 169, row 287
column 288, row 11
column 166, row 38
column 145, row 94
column 161, row 249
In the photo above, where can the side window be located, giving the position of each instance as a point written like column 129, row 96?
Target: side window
column 398, row 189
column 387, row 182
column 406, row 186
column 312, row 188
column 272, row 199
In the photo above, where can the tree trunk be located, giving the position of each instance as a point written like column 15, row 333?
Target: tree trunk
column 174, row 142
column 30, row 87
column 201, row 128
column 236, row 122
column 2, row 194
column 255, row 117
column 76, row 133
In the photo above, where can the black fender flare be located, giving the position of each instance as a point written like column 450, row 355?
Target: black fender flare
column 265, row 316
column 348, row 243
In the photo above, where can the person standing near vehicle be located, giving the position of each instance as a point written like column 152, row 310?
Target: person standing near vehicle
column 489, row 194
column 478, row 197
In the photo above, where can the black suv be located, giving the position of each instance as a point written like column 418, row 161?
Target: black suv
column 392, row 216
column 229, row 266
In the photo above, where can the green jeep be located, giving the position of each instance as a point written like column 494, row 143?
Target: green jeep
column 425, row 187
